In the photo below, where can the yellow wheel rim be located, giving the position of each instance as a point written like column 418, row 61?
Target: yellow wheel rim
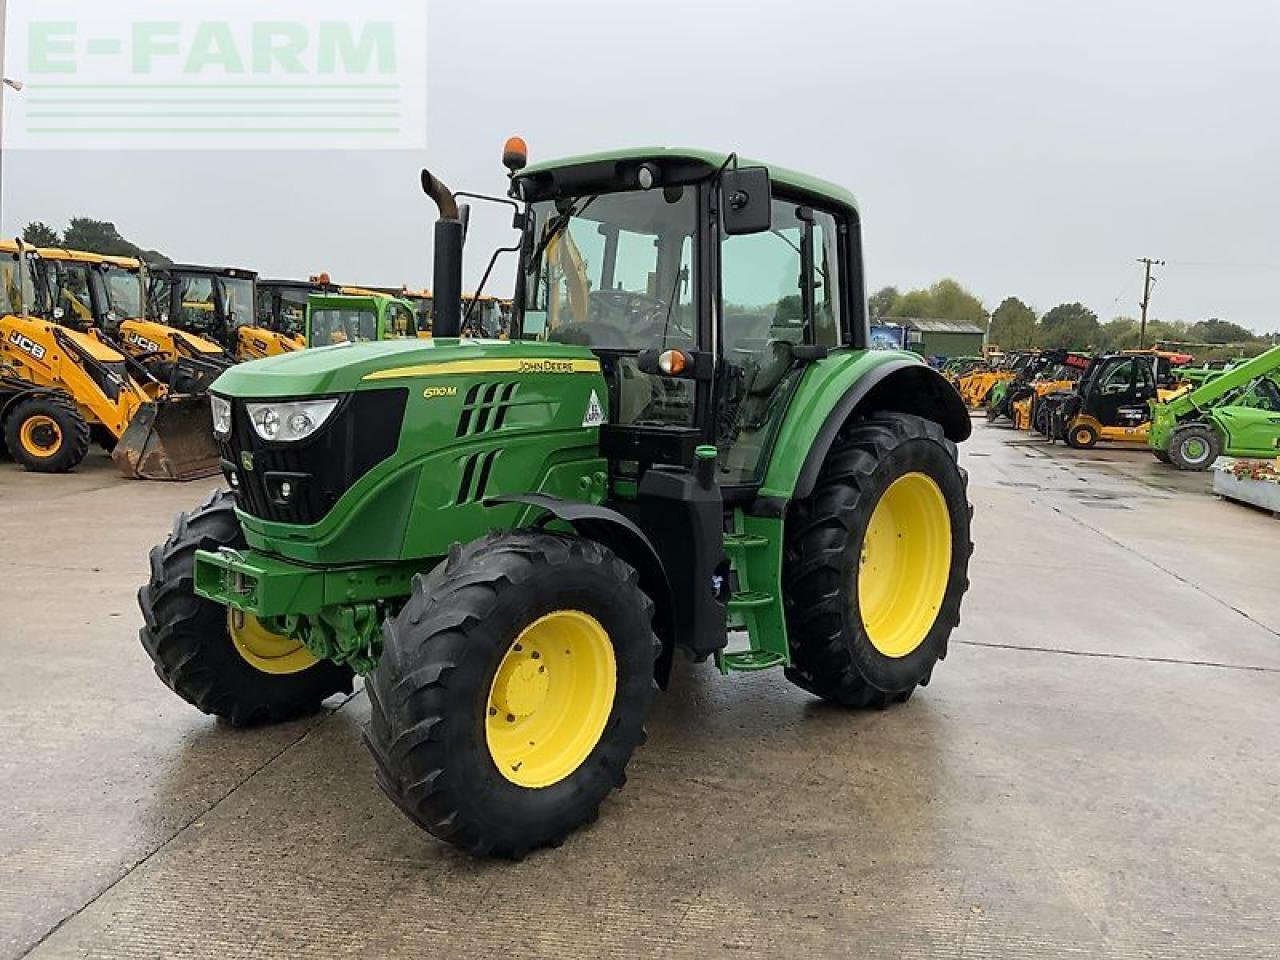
column 264, row 650
column 40, row 436
column 551, row 698
column 905, row 565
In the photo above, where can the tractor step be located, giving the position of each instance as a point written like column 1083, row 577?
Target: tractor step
column 741, row 541
column 749, row 661
column 747, row 599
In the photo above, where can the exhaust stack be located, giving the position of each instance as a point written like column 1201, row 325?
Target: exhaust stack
column 446, row 288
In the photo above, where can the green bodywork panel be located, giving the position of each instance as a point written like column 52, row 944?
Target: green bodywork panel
column 824, row 385
column 714, row 161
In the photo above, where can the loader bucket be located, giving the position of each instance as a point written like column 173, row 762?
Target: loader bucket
column 171, row 439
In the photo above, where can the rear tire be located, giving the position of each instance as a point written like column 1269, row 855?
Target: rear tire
column 438, row 726
column 1194, row 447
column 834, row 654
column 47, row 434
column 189, row 638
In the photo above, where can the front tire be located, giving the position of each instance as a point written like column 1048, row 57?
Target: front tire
column 222, row 662
column 1082, row 436
column 877, row 563
column 47, row 434
column 1195, row 447
column 512, row 691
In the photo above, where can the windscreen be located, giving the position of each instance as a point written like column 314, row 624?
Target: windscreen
column 333, row 325
column 613, row 271
column 124, row 292
column 238, row 297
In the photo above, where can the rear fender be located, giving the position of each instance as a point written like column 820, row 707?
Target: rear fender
column 10, row 399
column 853, row 386
column 628, row 541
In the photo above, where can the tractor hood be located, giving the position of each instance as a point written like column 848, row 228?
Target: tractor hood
column 346, row 368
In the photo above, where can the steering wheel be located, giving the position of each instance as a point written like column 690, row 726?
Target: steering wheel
column 633, row 308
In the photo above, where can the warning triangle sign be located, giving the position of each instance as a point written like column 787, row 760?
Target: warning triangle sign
column 595, row 413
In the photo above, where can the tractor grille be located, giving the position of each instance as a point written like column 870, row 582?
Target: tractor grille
column 362, row 433
column 485, row 408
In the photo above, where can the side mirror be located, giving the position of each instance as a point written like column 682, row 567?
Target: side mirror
column 745, row 201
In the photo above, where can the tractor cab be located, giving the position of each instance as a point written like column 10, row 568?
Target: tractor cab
column 17, row 286
column 84, row 290
column 703, row 335
column 282, row 304
column 217, row 303
column 342, row 318
column 69, row 289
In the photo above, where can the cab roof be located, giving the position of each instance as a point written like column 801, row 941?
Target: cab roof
column 694, row 162
column 235, row 273
column 83, row 256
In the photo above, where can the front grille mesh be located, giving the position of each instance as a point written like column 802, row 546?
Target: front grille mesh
column 362, row 433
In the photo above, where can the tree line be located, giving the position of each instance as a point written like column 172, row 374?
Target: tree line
column 91, row 236
column 1071, row 326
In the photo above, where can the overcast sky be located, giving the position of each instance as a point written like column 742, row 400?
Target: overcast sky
column 1032, row 149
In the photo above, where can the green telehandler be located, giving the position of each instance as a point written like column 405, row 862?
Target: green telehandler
column 685, row 445
column 1237, row 414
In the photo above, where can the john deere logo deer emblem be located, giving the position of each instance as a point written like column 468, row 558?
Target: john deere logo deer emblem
column 595, row 413
column 246, row 460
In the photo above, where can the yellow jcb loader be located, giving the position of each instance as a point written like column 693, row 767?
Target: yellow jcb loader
column 107, row 293
column 60, row 386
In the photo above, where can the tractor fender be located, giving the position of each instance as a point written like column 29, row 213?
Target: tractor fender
column 628, row 541
column 10, row 399
column 901, row 385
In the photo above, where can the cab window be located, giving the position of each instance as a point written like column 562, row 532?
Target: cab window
column 400, row 321
column 331, row 326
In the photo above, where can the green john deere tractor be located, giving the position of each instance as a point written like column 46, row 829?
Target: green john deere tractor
column 685, row 445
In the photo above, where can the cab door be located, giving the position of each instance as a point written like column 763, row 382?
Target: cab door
column 1115, row 389
column 782, row 296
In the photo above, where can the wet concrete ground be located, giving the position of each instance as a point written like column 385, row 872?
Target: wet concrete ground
column 1094, row 771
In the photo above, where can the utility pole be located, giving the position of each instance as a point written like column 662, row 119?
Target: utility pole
column 1146, row 298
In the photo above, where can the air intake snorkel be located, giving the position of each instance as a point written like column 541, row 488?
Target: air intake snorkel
column 447, row 282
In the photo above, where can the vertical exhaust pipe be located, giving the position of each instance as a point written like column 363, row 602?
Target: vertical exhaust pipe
column 446, row 290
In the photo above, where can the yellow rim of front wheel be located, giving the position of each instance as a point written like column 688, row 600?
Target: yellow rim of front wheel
column 40, row 436
column 264, row 650
column 551, row 698
column 905, row 564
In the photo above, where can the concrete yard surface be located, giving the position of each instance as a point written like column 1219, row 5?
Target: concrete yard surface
column 1094, row 771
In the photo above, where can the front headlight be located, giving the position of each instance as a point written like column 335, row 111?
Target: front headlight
column 221, row 416
column 287, row 422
